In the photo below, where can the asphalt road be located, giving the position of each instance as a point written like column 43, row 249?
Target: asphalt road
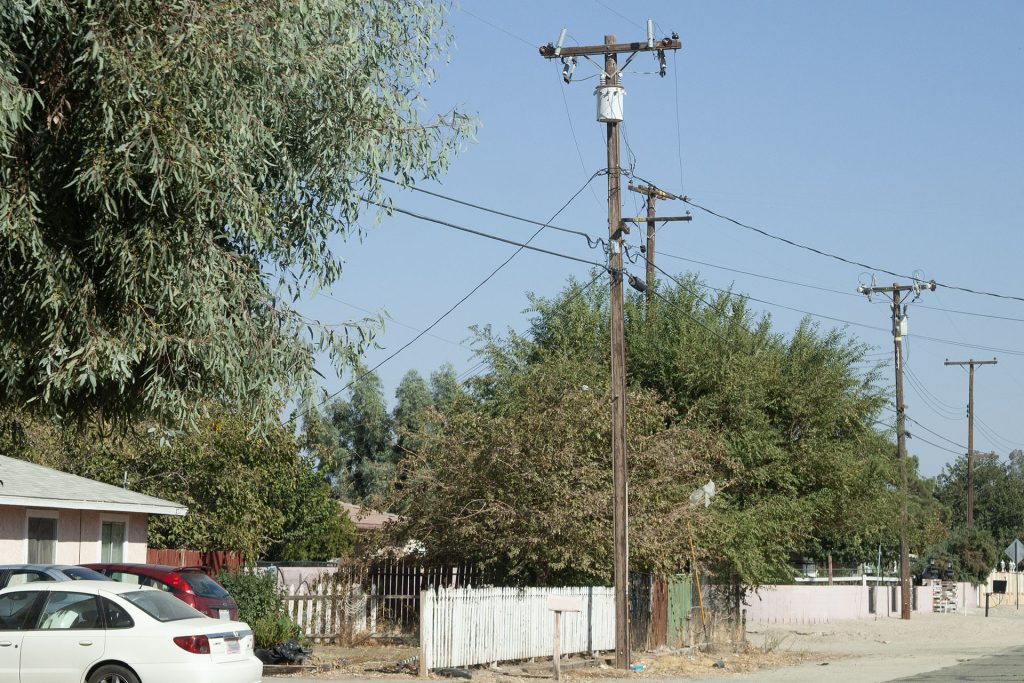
column 1005, row 666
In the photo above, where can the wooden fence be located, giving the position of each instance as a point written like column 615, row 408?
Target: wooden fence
column 328, row 609
column 211, row 562
column 383, row 598
column 465, row 626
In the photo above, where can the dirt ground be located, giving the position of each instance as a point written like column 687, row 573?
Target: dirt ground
column 844, row 652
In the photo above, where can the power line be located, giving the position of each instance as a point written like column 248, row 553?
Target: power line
column 496, row 27
column 470, row 372
column 759, row 275
column 621, row 15
column 521, row 247
column 1012, row 352
column 480, row 233
column 679, row 133
column 842, row 259
column 934, row 433
column 496, row 212
column 957, row 410
column 994, row 435
column 397, row 322
column 935, row 445
column 831, row 290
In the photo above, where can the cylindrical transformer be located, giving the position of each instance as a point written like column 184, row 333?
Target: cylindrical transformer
column 609, row 102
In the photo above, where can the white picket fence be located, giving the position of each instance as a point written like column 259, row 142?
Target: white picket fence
column 464, row 626
column 327, row 609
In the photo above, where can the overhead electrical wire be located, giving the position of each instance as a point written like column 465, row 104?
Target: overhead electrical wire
column 842, row 259
column 935, row 445
column 496, row 212
column 490, row 236
column 470, row 372
column 1015, row 352
column 471, row 292
column 699, row 262
column 934, row 433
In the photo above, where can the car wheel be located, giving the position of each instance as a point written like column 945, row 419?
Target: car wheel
column 113, row 673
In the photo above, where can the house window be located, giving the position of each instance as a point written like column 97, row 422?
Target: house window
column 112, row 538
column 42, row 540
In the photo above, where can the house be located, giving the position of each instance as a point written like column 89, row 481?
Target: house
column 367, row 520
column 51, row 517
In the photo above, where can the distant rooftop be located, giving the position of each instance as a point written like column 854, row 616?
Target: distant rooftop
column 366, row 519
column 31, row 485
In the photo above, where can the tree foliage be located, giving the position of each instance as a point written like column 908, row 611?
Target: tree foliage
column 802, row 470
column 521, row 484
column 256, row 495
column 173, row 173
column 998, row 492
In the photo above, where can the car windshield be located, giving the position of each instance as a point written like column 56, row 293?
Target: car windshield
column 83, row 574
column 203, row 586
column 161, row 606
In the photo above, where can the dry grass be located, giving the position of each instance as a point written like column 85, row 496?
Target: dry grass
column 702, row 664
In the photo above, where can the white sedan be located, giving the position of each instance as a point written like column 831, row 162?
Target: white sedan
column 108, row 632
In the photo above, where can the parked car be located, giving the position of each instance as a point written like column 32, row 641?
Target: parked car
column 189, row 584
column 17, row 574
column 108, row 632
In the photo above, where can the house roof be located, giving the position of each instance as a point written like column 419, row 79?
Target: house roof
column 366, row 519
column 31, row 485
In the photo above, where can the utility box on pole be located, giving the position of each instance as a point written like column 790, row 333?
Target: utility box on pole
column 610, row 98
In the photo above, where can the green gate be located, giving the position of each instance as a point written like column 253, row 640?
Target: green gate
column 680, row 603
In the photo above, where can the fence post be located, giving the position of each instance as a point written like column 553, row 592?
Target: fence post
column 425, row 609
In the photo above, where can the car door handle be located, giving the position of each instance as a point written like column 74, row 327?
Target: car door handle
column 85, row 642
column 5, row 643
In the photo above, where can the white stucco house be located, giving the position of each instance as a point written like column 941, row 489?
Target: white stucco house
column 51, row 517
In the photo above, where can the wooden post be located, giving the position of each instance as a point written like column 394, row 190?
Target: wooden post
column 424, row 633
column 559, row 604
column 557, row 657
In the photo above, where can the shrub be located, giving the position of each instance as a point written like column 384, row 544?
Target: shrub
column 255, row 592
column 272, row 630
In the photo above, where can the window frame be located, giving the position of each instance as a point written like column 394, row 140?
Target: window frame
column 42, row 513
column 114, row 519
column 41, row 609
column 33, row 610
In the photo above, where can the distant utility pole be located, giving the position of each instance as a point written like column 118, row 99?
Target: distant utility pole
column 898, row 330
column 651, row 194
column 970, row 433
column 610, row 94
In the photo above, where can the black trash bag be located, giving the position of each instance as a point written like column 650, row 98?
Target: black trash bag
column 288, row 652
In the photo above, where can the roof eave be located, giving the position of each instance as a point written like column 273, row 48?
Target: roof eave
column 98, row 505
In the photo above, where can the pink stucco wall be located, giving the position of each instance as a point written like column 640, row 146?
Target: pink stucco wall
column 78, row 535
column 813, row 604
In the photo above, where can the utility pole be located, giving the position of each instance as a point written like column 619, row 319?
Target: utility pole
column 610, row 94
column 970, row 432
column 898, row 330
column 652, row 194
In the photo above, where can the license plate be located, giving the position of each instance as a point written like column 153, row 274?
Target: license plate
column 233, row 647
column 223, row 614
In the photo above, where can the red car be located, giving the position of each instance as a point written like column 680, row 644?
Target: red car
column 189, row 584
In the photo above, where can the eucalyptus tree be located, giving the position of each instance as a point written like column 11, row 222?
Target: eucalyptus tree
column 174, row 174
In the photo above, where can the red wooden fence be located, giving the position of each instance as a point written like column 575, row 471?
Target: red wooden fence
column 211, row 562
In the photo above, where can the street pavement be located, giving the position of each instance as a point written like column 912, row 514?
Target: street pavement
column 1005, row 666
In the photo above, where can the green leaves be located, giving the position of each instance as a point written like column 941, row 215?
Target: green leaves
column 173, row 176
column 256, row 495
column 783, row 423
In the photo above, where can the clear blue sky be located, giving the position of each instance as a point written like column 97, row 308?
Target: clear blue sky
column 889, row 133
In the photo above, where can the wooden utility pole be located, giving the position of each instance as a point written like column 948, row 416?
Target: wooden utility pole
column 971, row 455
column 901, row 429
column 652, row 194
column 620, row 496
column 610, row 100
